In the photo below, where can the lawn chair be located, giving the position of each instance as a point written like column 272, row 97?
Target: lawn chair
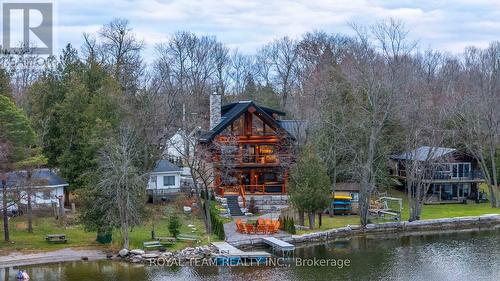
column 250, row 228
column 261, row 228
column 274, row 227
column 240, row 227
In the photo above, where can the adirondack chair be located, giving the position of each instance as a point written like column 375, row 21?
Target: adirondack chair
column 250, row 228
column 261, row 228
column 240, row 227
column 274, row 227
column 260, row 221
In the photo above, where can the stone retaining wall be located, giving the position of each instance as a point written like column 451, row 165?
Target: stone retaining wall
column 268, row 203
column 406, row 228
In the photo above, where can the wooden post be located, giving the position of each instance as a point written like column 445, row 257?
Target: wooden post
column 73, row 208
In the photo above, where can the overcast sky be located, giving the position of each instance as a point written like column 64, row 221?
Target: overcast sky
column 248, row 24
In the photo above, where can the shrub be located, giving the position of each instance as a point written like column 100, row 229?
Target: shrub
column 217, row 222
column 174, row 225
column 251, row 206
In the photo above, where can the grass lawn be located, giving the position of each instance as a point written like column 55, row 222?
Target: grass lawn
column 21, row 240
column 428, row 212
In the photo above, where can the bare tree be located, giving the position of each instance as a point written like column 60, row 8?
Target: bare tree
column 477, row 116
column 122, row 183
column 282, row 55
column 376, row 80
column 121, row 51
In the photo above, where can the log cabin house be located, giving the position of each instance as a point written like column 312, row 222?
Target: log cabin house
column 252, row 150
column 454, row 178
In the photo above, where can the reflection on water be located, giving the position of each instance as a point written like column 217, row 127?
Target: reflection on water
column 459, row 256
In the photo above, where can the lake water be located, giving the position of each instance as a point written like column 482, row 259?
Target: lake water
column 457, row 256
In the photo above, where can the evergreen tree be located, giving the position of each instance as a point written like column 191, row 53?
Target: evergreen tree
column 309, row 188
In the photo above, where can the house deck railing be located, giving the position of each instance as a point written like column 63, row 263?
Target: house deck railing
column 257, row 189
column 448, row 175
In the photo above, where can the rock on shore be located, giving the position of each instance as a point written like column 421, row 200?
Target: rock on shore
column 184, row 255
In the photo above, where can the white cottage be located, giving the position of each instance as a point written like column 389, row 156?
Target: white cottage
column 164, row 179
column 45, row 184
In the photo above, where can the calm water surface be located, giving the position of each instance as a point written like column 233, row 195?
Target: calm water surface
column 459, row 256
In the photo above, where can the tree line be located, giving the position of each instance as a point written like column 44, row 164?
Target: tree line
column 364, row 97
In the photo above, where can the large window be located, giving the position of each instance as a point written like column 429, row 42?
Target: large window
column 461, row 170
column 169, row 181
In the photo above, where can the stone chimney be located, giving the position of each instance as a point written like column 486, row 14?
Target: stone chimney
column 215, row 107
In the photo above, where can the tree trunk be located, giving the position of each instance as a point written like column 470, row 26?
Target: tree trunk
column 495, row 204
column 4, row 207
column 320, row 219
column 125, row 235
column 30, row 212
column 62, row 213
column 207, row 211
column 30, row 209
column 311, row 220
column 301, row 218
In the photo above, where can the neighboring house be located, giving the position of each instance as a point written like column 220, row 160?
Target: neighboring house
column 349, row 189
column 178, row 146
column 164, row 179
column 46, row 187
column 262, row 153
column 455, row 175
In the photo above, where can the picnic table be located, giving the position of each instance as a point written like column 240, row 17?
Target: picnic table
column 188, row 237
column 151, row 244
column 166, row 240
column 56, row 238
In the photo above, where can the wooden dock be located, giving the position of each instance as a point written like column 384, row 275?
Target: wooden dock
column 225, row 249
column 279, row 245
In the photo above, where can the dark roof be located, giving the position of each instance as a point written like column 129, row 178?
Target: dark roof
column 41, row 177
column 232, row 111
column 347, row 186
column 424, row 153
column 163, row 166
column 296, row 128
column 225, row 108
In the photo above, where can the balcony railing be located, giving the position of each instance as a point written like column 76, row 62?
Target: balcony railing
column 253, row 159
column 448, row 175
column 257, row 189
column 471, row 175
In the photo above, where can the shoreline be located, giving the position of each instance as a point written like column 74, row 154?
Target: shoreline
column 62, row 255
column 379, row 231
column 421, row 227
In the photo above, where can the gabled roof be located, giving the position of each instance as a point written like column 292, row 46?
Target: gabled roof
column 164, row 166
column 225, row 108
column 296, row 128
column 424, row 153
column 40, row 177
column 233, row 111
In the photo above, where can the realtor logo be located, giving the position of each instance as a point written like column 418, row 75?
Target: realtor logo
column 27, row 25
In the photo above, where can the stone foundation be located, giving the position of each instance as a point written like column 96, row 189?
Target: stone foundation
column 267, row 203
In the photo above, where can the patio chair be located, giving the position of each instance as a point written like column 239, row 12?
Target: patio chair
column 261, row 228
column 250, row 228
column 240, row 227
column 274, row 227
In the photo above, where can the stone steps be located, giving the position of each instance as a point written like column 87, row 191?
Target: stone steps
column 233, row 206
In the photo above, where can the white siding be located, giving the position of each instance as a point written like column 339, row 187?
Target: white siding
column 159, row 181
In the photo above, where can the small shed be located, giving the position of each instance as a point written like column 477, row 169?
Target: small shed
column 349, row 189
